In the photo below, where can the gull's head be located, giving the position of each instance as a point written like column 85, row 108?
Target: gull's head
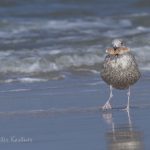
column 118, row 48
column 117, row 43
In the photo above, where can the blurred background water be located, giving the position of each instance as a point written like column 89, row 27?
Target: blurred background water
column 43, row 40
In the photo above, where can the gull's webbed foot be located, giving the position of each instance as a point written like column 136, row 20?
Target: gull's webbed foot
column 107, row 106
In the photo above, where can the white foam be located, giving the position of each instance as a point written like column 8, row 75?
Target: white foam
column 25, row 80
column 34, row 62
column 31, row 28
column 125, row 32
column 77, row 60
column 93, row 23
column 141, row 14
column 15, row 90
column 31, row 80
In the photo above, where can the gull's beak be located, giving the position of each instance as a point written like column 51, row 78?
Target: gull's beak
column 115, row 47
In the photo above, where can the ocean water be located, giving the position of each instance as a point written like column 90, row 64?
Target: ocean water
column 51, row 53
column 51, row 40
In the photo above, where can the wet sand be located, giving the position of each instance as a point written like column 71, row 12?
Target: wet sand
column 41, row 115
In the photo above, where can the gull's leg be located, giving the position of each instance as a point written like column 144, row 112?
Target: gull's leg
column 107, row 104
column 128, row 102
column 129, row 119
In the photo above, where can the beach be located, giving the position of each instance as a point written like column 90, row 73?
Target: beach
column 36, row 117
column 51, row 92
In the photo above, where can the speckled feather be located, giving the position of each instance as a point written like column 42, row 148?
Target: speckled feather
column 120, row 71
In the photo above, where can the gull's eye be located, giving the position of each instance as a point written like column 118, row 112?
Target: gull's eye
column 121, row 43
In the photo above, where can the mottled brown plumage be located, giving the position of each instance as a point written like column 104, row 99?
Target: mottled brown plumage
column 120, row 70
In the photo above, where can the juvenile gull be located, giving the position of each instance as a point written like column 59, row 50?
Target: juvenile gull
column 119, row 70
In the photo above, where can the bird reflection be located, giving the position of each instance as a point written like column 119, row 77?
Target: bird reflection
column 122, row 136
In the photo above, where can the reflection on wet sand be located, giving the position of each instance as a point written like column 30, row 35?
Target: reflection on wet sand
column 122, row 136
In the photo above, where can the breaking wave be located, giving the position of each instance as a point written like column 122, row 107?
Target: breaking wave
column 41, row 66
column 44, row 62
column 50, row 49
